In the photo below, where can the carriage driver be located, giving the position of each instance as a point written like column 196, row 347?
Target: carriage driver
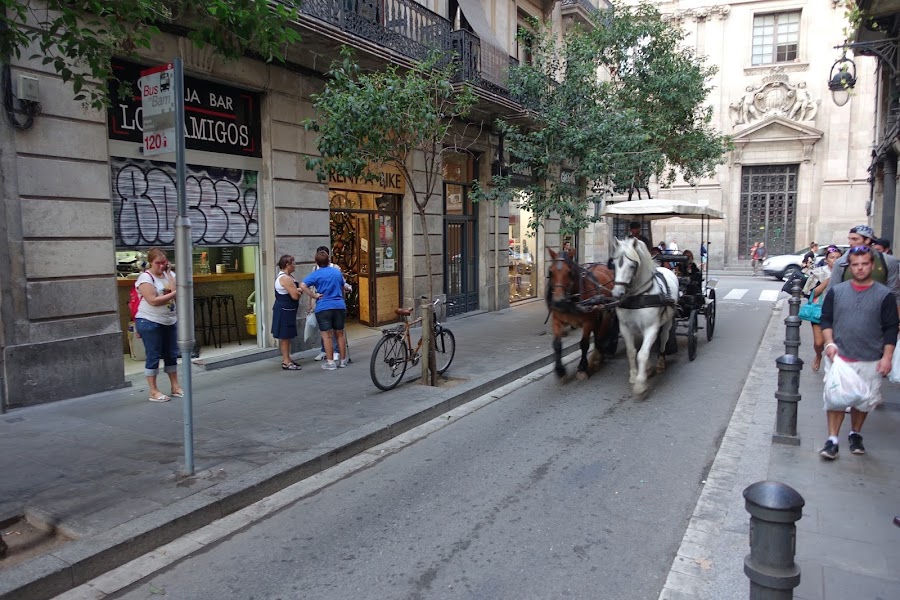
column 634, row 230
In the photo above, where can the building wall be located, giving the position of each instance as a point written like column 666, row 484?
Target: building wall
column 830, row 144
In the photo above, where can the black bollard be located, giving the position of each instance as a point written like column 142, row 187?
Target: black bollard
column 792, row 322
column 789, row 366
column 788, row 395
column 774, row 508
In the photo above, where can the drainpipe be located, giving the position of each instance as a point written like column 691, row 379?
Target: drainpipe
column 889, row 195
column 496, row 256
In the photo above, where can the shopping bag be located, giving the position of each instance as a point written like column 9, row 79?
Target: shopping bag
column 311, row 330
column 894, row 377
column 843, row 387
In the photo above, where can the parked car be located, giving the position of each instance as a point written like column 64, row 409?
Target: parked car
column 784, row 266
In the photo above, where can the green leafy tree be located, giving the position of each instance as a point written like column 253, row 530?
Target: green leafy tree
column 80, row 38
column 367, row 120
column 613, row 106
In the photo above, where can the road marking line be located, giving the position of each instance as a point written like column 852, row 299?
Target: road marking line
column 769, row 295
column 735, row 294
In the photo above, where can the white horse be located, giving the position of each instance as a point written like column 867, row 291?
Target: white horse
column 647, row 306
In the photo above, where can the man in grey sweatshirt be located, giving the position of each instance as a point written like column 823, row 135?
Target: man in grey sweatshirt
column 859, row 323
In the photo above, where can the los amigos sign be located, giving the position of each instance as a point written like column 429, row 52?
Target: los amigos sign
column 218, row 118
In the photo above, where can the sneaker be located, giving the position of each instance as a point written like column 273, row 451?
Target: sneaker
column 329, row 365
column 856, row 445
column 830, row 451
column 343, row 364
column 337, row 356
column 320, row 356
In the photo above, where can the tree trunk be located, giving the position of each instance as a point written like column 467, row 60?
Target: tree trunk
column 427, row 312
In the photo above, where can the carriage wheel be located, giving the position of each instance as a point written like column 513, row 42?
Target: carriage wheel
column 710, row 312
column 692, row 335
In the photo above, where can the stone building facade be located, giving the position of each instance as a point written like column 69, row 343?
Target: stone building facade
column 81, row 201
column 799, row 169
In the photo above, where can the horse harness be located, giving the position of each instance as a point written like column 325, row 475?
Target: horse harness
column 639, row 300
column 582, row 273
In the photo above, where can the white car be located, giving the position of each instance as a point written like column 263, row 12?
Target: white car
column 786, row 265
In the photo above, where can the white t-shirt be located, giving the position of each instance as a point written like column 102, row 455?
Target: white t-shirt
column 164, row 314
column 673, row 247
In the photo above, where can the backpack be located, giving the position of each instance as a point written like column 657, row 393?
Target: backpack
column 134, row 301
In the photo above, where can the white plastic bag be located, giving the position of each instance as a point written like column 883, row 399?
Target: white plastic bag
column 894, row 376
column 843, row 387
column 311, row 330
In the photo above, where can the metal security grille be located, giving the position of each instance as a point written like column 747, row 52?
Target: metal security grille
column 461, row 270
column 768, row 209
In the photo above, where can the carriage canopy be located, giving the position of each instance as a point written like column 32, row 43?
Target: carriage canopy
column 661, row 209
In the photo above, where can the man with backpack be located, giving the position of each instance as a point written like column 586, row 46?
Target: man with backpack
column 886, row 268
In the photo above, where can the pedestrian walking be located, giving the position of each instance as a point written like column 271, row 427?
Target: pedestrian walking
column 331, row 309
column 859, row 324
column 704, row 252
column 155, row 322
column 886, row 269
column 284, row 311
column 815, row 287
column 757, row 255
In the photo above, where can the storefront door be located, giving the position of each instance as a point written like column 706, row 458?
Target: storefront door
column 460, row 235
column 365, row 245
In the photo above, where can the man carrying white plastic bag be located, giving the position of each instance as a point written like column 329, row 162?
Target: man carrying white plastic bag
column 859, row 323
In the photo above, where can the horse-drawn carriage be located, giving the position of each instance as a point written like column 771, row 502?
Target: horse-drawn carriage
column 652, row 303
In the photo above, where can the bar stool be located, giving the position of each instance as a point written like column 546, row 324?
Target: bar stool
column 203, row 318
column 225, row 320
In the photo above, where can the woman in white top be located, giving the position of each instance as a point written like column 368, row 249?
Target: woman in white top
column 155, row 323
column 815, row 288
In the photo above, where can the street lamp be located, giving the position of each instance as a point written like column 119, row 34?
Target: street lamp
column 842, row 80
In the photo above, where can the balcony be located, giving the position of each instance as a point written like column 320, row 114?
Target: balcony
column 580, row 11
column 403, row 26
column 482, row 65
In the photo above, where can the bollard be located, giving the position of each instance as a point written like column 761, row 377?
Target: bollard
column 774, row 508
column 792, row 322
column 788, row 395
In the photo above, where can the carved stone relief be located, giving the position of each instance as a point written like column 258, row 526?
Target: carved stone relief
column 775, row 96
column 700, row 13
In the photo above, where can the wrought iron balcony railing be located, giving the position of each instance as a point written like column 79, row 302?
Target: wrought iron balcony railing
column 585, row 4
column 483, row 65
column 401, row 25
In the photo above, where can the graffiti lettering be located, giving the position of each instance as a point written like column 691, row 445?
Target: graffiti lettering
column 222, row 204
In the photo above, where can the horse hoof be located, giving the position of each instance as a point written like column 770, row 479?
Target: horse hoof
column 660, row 368
column 581, row 375
column 640, row 389
column 560, row 372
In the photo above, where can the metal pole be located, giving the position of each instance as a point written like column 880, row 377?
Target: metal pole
column 793, row 322
column 774, row 509
column 184, row 274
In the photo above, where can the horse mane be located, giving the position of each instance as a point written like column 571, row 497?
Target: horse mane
column 636, row 251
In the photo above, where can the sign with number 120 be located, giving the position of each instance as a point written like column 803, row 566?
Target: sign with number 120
column 158, row 109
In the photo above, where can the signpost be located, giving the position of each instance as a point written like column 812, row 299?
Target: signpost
column 158, row 100
column 162, row 100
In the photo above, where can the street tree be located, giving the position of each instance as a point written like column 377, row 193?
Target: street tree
column 79, row 39
column 367, row 120
column 612, row 107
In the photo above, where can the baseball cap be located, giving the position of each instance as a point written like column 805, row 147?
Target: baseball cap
column 864, row 230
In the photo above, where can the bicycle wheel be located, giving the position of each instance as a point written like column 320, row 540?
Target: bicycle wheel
column 388, row 362
column 444, row 349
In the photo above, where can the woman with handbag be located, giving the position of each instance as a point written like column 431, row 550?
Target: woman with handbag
column 815, row 287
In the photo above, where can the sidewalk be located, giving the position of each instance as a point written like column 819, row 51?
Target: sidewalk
column 847, row 546
column 105, row 469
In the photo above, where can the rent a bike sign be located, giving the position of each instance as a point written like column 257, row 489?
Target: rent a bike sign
column 158, row 104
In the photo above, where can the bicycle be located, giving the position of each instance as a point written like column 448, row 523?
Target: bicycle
column 394, row 351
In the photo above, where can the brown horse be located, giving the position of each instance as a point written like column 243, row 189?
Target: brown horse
column 569, row 286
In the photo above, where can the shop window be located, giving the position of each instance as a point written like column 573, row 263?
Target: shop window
column 776, row 37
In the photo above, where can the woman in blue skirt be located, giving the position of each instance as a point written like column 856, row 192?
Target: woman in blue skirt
column 284, row 312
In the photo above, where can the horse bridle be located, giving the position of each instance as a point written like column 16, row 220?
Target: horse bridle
column 576, row 271
column 627, row 284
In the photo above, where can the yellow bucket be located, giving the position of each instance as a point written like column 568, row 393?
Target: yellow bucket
column 250, row 323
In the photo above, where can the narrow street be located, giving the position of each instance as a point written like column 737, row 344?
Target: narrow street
column 555, row 490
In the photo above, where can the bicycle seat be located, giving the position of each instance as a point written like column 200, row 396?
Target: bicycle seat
column 404, row 312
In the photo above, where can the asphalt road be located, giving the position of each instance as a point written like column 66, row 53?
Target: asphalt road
column 558, row 490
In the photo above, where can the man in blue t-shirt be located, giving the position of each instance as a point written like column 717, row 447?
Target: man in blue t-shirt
column 331, row 310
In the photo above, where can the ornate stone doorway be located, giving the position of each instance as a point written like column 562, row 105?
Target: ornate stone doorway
column 768, row 208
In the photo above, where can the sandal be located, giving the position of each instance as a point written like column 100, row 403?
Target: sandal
column 817, row 362
column 178, row 393
column 160, row 397
column 290, row 366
